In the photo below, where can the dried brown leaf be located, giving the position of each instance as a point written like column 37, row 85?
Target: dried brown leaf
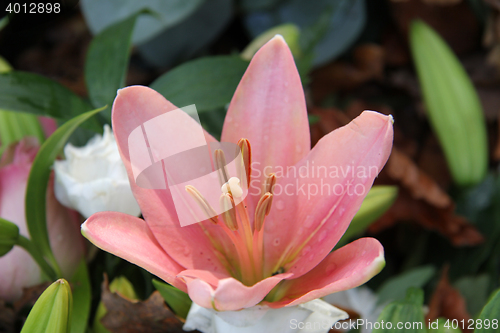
column 447, row 302
column 400, row 168
column 456, row 228
column 461, row 28
column 367, row 64
column 149, row 316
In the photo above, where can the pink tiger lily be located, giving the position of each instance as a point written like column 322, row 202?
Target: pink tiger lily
column 276, row 250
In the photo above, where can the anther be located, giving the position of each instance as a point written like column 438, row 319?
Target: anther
column 228, row 211
column 202, row 202
column 220, row 166
column 262, row 210
column 246, row 154
column 269, row 187
column 233, row 187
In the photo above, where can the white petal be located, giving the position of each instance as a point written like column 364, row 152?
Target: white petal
column 93, row 178
column 316, row 316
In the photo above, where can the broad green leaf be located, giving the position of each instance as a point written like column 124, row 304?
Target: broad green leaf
column 107, row 61
column 9, row 233
column 490, row 316
column 178, row 300
column 190, row 37
column 209, row 82
column 52, row 311
column 395, row 287
column 37, row 185
column 82, row 297
column 378, row 200
column 13, row 125
column 343, row 26
column 313, row 119
column 403, row 316
column 100, row 14
column 453, row 106
column 475, row 291
column 33, row 93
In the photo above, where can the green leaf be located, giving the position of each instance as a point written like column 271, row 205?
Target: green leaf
column 51, row 311
column 9, row 233
column 178, row 300
column 330, row 27
column 313, row 119
column 37, row 185
column 209, row 82
column 100, row 14
column 475, row 291
column 14, row 126
column 376, row 203
column 82, row 295
column 453, row 105
column 490, row 314
column 32, row 93
column 107, row 61
column 395, row 288
column 407, row 313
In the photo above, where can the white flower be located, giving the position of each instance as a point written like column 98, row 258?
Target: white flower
column 93, row 178
column 361, row 300
column 315, row 316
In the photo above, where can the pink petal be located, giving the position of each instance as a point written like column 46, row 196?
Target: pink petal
column 49, row 125
column 129, row 237
column 226, row 293
column 346, row 268
column 18, row 268
column 189, row 245
column 269, row 109
column 315, row 210
column 65, row 237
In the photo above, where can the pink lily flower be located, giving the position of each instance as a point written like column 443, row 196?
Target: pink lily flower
column 18, row 269
column 275, row 249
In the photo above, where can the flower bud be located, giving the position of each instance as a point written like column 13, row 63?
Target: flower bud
column 453, row 106
column 52, row 311
column 376, row 202
column 18, row 269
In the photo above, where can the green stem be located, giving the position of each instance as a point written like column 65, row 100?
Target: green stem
column 28, row 245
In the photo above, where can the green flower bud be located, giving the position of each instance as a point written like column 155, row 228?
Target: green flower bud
column 290, row 33
column 377, row 201
column 9, row 233
column 52, row 311
column 453, row 106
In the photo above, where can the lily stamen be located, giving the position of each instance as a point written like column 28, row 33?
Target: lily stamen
column 228, row 211
column 246, row 155
column 262, row 210
column 203, row 203
column 220, row 166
